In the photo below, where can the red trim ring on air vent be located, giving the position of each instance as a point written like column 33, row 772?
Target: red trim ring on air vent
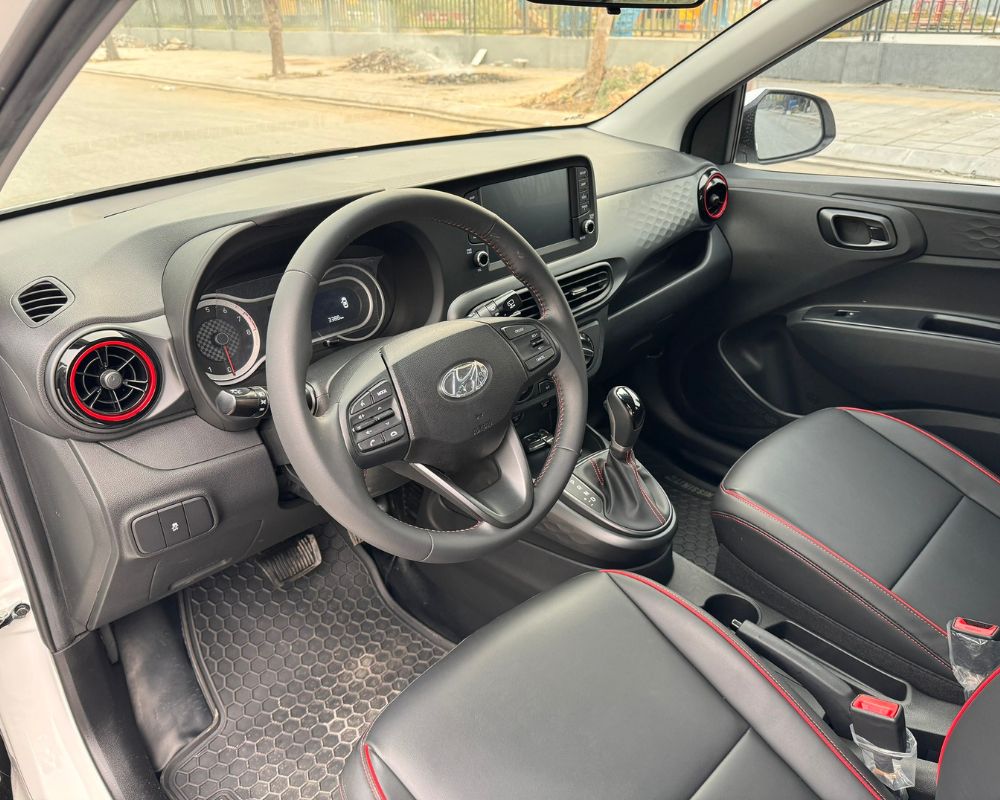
column 138, row 378
column 710, row 185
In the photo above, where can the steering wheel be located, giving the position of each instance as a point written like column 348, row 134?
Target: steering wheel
column 433, row 404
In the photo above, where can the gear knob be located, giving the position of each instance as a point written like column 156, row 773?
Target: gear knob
column 626, row 412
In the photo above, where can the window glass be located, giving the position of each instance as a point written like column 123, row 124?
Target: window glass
column 188, row 85
column 914, row 86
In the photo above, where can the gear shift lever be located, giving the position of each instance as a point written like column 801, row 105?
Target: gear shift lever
column 626, row 413
column 613, row 486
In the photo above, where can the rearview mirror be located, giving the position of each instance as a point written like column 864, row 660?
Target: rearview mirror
column 614, row 7
column 781, row 125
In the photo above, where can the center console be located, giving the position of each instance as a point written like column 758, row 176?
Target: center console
column 612, row 511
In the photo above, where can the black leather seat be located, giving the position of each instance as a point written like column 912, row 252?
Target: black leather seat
column 613, row 687
column 606, row 687
column 870, row 531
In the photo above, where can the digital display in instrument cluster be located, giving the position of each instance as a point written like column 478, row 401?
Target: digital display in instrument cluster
column 340, row 307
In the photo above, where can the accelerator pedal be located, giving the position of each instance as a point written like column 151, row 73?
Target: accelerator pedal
column 290, row 561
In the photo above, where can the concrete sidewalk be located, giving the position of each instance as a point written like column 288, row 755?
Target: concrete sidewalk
column 909, row 132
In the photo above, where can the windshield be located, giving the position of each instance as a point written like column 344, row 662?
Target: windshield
column 189, row 85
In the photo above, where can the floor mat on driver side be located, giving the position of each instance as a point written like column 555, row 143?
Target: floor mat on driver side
column 294, row 675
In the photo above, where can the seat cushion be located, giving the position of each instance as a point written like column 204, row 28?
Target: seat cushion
column 608, row 686
column 871, row 531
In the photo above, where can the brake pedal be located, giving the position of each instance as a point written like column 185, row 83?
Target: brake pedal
column 289, row 562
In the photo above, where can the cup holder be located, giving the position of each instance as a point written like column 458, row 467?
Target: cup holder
column 727, row 607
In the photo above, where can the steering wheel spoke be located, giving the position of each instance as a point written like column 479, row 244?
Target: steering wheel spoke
column 497, row 490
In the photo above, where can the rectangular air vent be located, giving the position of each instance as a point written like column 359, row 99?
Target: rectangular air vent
column 584, row 289
column 42, row 300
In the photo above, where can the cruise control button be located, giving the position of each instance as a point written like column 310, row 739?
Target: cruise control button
column 513, row 331
column 382, row 391
column 371, row 443
column 541, row 358
column 395, row 433
column 361, row 403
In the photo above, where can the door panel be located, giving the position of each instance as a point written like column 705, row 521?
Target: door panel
column 814, row 316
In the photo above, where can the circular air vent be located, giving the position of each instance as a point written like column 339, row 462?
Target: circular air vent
column 107, row 378
column 713, row 195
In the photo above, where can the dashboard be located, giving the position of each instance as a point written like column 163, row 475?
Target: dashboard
column 125, row 317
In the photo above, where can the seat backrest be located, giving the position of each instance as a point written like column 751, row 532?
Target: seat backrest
column 969, row 768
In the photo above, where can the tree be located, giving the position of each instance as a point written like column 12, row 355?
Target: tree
column 111, row 49
column 593, row 76
column 272, row 11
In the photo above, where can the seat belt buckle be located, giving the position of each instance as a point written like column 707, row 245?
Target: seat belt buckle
column 974, row 650
column 888, row 747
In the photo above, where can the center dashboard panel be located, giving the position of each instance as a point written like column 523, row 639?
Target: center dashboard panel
column 625, row 259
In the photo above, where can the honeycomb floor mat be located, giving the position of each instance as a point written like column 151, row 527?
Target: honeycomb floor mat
column 294, row 676
column 695, row 538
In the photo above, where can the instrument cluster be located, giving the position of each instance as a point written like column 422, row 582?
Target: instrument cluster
column 229, row 328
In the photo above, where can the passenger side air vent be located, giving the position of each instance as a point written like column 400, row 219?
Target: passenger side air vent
column 584, row 289
column 107, row 378
column 41, row 300
column 713, row 195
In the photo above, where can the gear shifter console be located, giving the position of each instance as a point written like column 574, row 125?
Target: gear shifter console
column 611, row 487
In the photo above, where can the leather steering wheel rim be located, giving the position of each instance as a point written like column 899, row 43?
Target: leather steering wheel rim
column 328, row 470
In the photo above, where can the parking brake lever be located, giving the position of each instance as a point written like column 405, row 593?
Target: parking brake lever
column 834, row 694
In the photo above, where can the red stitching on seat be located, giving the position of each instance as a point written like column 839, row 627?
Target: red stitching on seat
column 373, row 782
column 816, row 568
column 764, row 673
column 958, row 716
column 884, row 589
column 971, row 462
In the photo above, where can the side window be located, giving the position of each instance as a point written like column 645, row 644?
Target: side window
column 910, row 89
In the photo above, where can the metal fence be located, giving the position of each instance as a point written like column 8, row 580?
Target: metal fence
column 519, row 16
column 980, row 17
column 460, row 16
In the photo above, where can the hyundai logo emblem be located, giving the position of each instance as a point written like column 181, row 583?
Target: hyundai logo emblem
column 464, row 380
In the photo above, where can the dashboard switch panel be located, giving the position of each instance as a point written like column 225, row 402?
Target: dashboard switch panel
column 172, row 525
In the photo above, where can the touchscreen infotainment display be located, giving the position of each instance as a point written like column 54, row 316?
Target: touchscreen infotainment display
column 538, row 207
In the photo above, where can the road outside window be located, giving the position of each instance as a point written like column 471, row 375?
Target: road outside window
column 188, row 85
column 914, row 87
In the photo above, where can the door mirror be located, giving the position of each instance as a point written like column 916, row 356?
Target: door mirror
column 780, row 125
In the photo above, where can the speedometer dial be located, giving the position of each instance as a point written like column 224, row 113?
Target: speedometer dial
column 227, row 340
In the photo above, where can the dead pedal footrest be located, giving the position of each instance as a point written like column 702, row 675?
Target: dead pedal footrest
column 290, row 561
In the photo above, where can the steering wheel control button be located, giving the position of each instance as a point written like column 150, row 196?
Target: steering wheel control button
column 148, row 534
column 515, row 331
column 372, row 420
column 378, row 427
column 174, row 524
column 371, row 442
column 540, row 359
column 382, row 392
column 396, row 433
column 363, row 402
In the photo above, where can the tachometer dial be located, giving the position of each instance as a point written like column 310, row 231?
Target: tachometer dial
column 227, row 340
